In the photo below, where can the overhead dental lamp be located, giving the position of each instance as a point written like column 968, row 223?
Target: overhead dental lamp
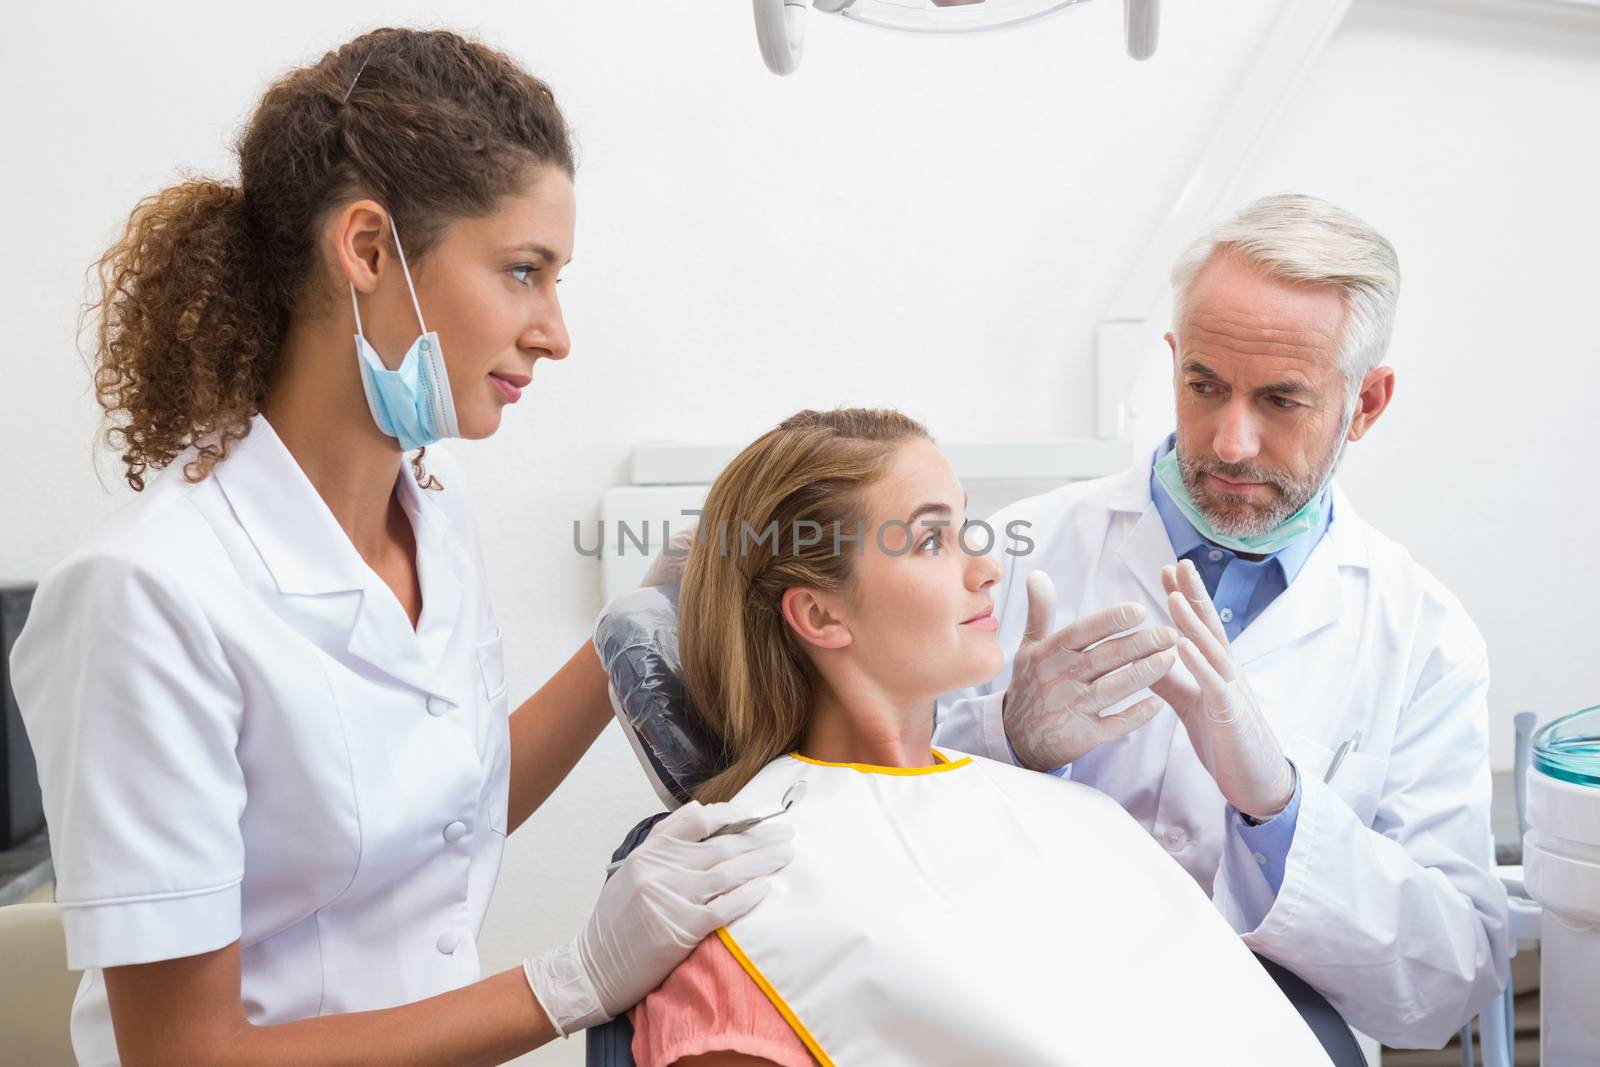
column 780, row 24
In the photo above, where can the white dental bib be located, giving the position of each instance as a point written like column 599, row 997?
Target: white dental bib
column 974, row 913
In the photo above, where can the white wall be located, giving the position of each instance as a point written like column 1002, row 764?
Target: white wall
column 1466, row 132
column 925, row 223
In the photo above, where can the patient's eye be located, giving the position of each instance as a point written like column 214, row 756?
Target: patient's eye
column 931, row 537
column 526, row 270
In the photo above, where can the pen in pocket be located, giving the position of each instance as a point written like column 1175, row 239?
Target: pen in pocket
column 1338, row 757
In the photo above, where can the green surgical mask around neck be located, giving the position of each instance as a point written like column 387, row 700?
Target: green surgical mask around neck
column 1308, row 518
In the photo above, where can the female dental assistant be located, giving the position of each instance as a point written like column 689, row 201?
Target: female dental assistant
column 268, row 699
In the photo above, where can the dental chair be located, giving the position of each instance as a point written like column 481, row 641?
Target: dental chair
column 637, row 640
column 36, row 988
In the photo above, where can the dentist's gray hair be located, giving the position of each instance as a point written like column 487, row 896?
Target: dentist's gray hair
column 1305, row 239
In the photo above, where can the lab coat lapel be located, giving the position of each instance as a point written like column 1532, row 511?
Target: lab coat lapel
column 297, row 537
column 1146, row 548
column 308, row 555
column 441, row 562
column 383, row 635
column 1315, row 598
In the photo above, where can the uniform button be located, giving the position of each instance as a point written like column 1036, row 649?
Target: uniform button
column 438, row 705
column 1175, row 839
column 1226, row 614
column 447, row 943
column 1258, row 857
column 455, row 832
column 1216, row 555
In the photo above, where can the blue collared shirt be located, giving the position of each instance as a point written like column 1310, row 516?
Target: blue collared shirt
column 1241, row 590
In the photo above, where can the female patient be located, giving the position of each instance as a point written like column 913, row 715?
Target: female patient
column 941, row 908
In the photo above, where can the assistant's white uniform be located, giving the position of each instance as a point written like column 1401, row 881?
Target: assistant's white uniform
column 241, row 738
column 1388, row 904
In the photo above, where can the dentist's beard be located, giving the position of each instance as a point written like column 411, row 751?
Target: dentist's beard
column 1240, row 516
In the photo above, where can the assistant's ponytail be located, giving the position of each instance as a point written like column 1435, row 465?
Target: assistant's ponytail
column 186, row 333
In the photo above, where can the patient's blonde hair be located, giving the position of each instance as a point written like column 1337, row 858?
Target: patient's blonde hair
column 745, row 669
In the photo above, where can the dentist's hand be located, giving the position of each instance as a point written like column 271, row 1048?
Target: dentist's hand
column 1060, row 684
column 672, row 892
column 1226, row 725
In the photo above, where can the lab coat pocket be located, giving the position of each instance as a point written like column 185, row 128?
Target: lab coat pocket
column 497, row 753
column 499, row 779
column 492, row 667
column 1358, row 779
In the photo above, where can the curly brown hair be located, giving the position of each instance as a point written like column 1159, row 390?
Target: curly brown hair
column 196, row 297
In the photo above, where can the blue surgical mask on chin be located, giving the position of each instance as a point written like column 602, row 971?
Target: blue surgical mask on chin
column 412, row 404
column 1308, row 518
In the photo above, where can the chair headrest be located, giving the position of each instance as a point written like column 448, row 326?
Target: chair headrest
column 637, row 639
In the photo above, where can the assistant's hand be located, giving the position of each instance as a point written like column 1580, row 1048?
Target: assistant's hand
column 1059, row 684
column 1225, row 723
column 671, row 893
column 667, row 568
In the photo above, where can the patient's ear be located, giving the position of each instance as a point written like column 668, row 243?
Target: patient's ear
column 812, row 617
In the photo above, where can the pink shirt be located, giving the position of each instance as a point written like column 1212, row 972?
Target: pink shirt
column 709, row 1004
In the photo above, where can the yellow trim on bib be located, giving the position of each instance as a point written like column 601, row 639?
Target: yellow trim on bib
column 872, row 768
column 777, row 1001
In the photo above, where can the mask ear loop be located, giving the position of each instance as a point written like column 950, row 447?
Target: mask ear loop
column 361, row 337
column 441, row 384
column 412, row 289
column 357, row 309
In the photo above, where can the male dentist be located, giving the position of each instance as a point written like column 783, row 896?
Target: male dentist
column 1325, row 774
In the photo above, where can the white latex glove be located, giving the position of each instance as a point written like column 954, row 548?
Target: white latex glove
column 1226, row 726
column 1060, row 683
column 671, row 893
column 667, row 568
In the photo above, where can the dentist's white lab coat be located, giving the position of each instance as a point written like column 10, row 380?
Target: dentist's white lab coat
column 1388, row 905
column 241, row 737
